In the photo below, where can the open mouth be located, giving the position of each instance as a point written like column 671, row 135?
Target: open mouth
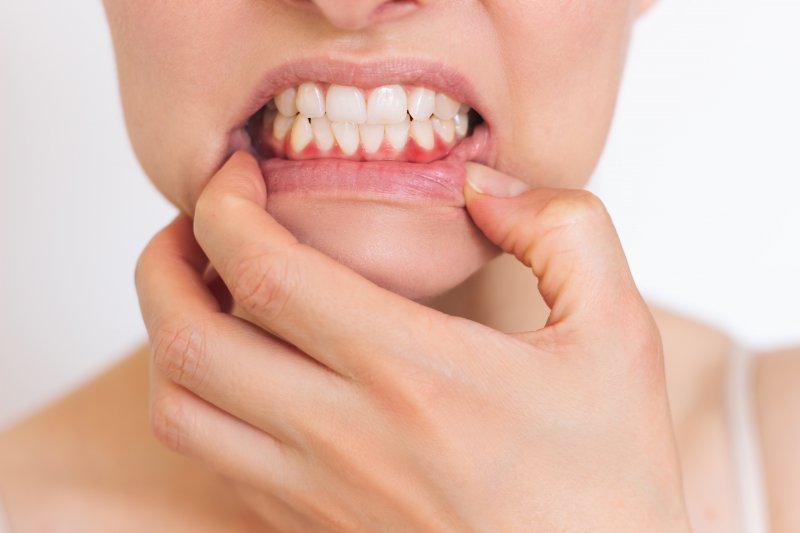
column 332, row 129
column 388, row 123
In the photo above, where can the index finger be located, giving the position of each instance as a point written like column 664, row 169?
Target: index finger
column 294, row 291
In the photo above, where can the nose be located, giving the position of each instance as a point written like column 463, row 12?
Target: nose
column 358, row 14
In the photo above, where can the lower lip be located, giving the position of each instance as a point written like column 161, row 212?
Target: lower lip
column 439, row 183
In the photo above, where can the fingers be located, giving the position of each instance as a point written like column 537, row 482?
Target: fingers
column 190, row 426
column 221, row 358
column 305, row 297
column 569, row 241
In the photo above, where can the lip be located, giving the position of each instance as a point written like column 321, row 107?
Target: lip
column 436, row 183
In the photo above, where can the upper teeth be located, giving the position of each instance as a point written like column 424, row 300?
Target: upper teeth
column 348, row 116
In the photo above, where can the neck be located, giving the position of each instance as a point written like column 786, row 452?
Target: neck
column 502, row 295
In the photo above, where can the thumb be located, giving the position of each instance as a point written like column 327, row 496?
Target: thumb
column 568, row 240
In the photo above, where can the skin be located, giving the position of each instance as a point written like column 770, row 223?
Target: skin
column 558, row 98
column 290, row 446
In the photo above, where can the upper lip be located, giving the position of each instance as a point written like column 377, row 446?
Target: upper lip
column 366, row 74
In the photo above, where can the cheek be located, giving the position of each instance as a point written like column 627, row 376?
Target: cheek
column 565, row 63
column 173, row 58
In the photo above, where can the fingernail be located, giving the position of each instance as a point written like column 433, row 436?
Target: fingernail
column 486, row 180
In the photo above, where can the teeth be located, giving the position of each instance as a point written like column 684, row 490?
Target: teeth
column 387, row 105
column 301, row 133
column 421, row 103
column 285, row 102
column 422, row 133
column 445, row 129
column 446, row 108
column 346, row 134
column 322, row 133
column 281, row 126
column 345, row 104
column 461, row 122
column 342, row 115
column 371, row 137
column 310, row 101
column 397, row 134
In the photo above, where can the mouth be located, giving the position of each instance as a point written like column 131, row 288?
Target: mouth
column 393, row 132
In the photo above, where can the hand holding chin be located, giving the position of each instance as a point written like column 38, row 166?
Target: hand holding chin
column 347, row 407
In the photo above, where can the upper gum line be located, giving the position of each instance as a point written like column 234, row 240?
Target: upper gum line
column 419, row 110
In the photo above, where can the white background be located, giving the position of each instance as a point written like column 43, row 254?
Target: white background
column 701, row 175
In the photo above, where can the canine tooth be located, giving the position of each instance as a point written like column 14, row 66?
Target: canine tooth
column 301, row 133
column 371, row 137
column 322, row 133
column 345, row 104
column 397, row 134
column 285, row 102
column 422, row 133
column 461, row 122
column 387, row 105
column 421, row 103
column 346, row 134
column 445, row 129
column 446, row 108
column 463, row 109
column 271, row 105
column 310, row 101
column 281, row 126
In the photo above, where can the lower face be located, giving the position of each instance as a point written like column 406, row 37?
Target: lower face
column 362, row 133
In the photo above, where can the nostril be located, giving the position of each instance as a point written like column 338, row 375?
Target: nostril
column 356, row 15
column 394, row 9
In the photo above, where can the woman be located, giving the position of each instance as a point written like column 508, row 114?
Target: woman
column 338, row 404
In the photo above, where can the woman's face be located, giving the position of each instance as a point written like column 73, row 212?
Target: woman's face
column 199, row 79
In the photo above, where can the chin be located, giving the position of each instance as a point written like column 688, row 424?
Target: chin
column 417, row 252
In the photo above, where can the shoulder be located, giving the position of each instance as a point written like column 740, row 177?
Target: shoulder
column 776, row 386
column 89, row 460
column 696, row 359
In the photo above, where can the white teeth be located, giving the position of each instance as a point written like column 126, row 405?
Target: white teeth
column 345, row 104
column 461, row 122
column 301, row 133
column 371, row 137
column 322, row 133
column 422, row 133
column 281, row 126
column 446, row 108
column 310, row 101
column 421, row 103
column 387, row 105
column 346, row 134
column 285, row 102
column 397, row 134
column 445, row 129
column 342, row 116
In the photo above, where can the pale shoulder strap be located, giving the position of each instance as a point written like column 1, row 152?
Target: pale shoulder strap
column 746, row 446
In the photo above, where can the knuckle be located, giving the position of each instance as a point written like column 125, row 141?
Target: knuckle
column 413, row 393
column 262, row 284
column 571, row 207
column 169, row 422
column 648, row 351
column 180, row 351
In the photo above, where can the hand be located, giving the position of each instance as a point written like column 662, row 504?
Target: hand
column 349, row 408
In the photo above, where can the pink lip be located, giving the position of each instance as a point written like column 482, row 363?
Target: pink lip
column 438, row 183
